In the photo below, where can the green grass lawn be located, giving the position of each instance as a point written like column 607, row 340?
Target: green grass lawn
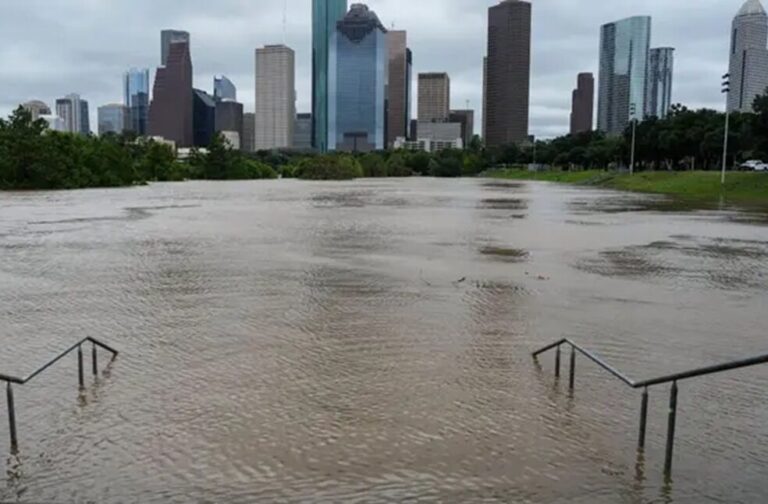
column 740, row 187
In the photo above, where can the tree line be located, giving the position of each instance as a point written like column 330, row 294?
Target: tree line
column 31, row 157
column 684, row 140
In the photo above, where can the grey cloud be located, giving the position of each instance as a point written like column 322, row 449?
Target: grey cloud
column 49, row 48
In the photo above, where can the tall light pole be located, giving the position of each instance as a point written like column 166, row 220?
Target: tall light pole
column 727, row 92
column 632, row 112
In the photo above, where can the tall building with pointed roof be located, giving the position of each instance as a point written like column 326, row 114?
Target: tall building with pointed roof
column 171, row 109
column 748, row 57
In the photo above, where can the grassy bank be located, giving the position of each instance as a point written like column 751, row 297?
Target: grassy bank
column 741, row 187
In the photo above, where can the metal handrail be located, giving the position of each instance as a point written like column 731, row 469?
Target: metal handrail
column 646, row 384
column 81, row 378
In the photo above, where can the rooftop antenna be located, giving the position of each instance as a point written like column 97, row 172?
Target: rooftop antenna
column 285, row 21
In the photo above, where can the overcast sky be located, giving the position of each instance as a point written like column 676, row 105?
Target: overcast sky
column 49, row 48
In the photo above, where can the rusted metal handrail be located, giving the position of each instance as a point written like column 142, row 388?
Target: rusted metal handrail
column 10, row 380
column 646, row 384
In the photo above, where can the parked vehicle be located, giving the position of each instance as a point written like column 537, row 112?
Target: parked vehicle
column 751, row 164
column 761, row 167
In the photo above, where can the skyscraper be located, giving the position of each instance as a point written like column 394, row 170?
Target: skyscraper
column 224, row 89
column 114, row 118
column 249, row 132
column 229, row 120
column 171, row 109
column 275, row 97
column 136, row 98
column 357, row 77
column 302, row 132
column 434, row 97
column 583, row 104
column 508, row 72
column 203, row 118
column 658, row 98
column 74, row 113
column 325, row 15
column 624, row 47
column 749, row 56
column 484, row 128
column 466, row 118
column 168, row 37
column 398, row 94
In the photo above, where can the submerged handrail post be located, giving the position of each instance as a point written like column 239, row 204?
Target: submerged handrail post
column 80, row 373
column 671, row 431
column 643, row 420
column 12, row 419
column 572, row 378
column 94, row 358
column 10, row 380
column 645, row 385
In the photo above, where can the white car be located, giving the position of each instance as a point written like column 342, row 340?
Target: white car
column 760, row 167
column 752, row 164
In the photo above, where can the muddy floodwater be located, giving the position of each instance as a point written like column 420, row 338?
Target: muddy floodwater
column 370, row 341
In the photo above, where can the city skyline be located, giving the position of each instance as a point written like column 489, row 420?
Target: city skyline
column 453, row 40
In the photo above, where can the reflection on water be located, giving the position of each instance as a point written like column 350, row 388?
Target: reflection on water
column 370, row 342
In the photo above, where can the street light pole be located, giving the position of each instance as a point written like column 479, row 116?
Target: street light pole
column 726, row 91
column 632, row 110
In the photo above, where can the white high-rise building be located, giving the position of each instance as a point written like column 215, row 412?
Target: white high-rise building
column 275, row 97
column 73, row 110
column 749, row 56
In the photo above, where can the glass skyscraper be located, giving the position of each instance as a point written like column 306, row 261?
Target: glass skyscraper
column 203, row 118
column 325, row 15
column 136, row 98
column 224, row 89
column 357, row 82
column 113, row 118
column 659, row 87
column 624, row 47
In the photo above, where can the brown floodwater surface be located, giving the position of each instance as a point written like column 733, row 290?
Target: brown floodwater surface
column 370, row 341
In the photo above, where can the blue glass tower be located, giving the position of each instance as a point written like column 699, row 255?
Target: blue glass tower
column 325, row 15
column 624, row 47
column 136, row 93
column 357, row 82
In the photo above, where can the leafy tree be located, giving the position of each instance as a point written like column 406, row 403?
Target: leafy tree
column 373, row 165
column 397, row 165
column 419, row 162
column 329, row 167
